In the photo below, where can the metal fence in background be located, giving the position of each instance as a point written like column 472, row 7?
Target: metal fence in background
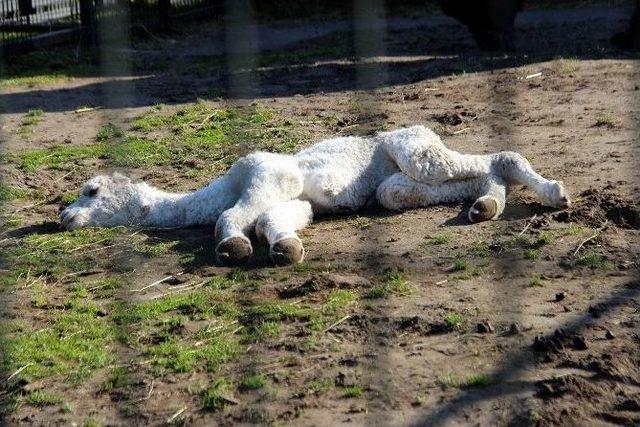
column 28, row 24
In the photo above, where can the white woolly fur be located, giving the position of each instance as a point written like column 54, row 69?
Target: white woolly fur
column 278, row 194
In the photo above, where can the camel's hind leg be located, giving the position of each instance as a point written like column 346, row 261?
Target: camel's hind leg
column 269, row 179
column 278, row 227
column 400, row 192
column 421, row 155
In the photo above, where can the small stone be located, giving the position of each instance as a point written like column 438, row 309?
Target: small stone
column 515, row 329
column 485, row 327
column 579, row 343
column 609, row 335
column 560, row 296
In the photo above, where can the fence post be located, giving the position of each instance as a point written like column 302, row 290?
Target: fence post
column 89, row 22
column 164, row 7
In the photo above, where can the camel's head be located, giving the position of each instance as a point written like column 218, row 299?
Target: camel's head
column 556, row 196
column 106, row 201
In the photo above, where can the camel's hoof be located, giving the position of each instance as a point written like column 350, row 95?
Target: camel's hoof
column 287, row 251
column 234, row 250
column 483, row 209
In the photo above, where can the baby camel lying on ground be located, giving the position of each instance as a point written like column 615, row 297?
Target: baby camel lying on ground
column 278, row 194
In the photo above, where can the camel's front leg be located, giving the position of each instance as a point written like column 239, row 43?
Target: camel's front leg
column 278, row 227
column 400, row 192
column 270, row 179
column 514, row 168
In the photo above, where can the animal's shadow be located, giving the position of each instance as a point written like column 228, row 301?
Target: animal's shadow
column 513, row 211
column 44, row 228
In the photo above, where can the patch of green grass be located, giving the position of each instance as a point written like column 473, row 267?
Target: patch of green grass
column 303, row 267
column 262, row 321
column 219, row 282
column 46, row 67
column 392, row 282
column 108, row 133
column 459, row 263
column 441, row 239
column 10, row 193
column 478, row 380
column 149, row 122
column 156, row 249
column 536, row 281
column 338, row 301
column 118, row 378
column 480, row 249
column 194, row 132
column 58, row 157
column 213, row 398
column 320, row 386
column 178, row 357
column 75, row 345
column 544, row 238
column 453, row 320
column 531, row 254
column 595, row 261
column 253, row 382
column 30, row 120
column 361, row 222
column 567, row 67
column 238, row 275
column 471, row 381
column 42, row 398
column 136, row 152
column 574, row 230
column 605, row 120
column 353, row 391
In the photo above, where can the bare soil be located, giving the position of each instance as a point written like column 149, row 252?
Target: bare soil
column 562, row 345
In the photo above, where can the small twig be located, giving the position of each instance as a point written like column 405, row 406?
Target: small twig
column 19, row 370
column 157, row 282
column 531, row 76
column 460, row 131
column 176, row 414
column 528, row 225
column 442, row 282
column 197, row 285
column 86, row 109
column 206, row 119
column 327, row 329
column 596, row 234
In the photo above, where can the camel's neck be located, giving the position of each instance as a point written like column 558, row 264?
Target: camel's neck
column 172, row 210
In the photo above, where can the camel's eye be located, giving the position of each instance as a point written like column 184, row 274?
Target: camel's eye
column 92, row 191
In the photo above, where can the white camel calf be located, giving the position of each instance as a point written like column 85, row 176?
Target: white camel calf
column 277, row 195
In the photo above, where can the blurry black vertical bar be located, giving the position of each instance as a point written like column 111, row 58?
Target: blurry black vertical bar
column 164, row 9
column 88, row 22
column 114, row 36
column 241, row 45
column 369, row 36
column 370, row 29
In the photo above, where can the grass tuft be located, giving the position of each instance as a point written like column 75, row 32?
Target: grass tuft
column 392, row 282
column 253, row 382
column 353, row 391
column 213, row 398
column 453, row 320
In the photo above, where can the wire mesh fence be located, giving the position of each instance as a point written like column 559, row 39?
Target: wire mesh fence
column 25, row 24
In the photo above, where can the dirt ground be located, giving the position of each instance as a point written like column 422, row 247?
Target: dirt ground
column 415, row 318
